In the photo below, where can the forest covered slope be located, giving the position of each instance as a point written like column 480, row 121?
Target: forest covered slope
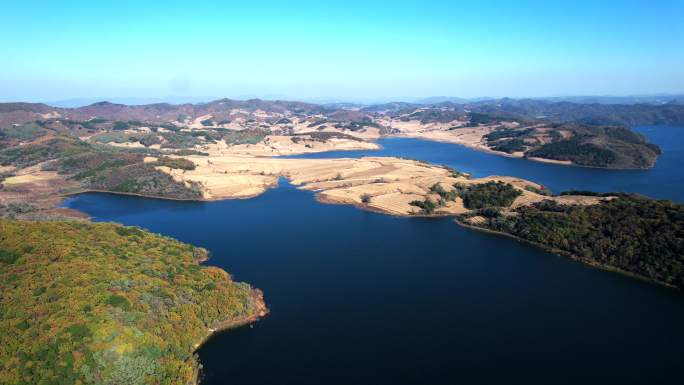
column 641, row 236
column 84, row 303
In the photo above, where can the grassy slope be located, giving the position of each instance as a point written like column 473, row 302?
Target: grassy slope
column 102, row 303
column 98, row 167
column 597, row 146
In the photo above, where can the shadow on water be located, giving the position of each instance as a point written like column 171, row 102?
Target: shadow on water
column 364, row 298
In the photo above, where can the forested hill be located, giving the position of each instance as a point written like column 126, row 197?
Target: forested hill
column 634, row 234
column 85, row 303
column 593, row 113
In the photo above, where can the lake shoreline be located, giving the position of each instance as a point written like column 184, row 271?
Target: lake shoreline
column 369, row 208
column 488, row 150
column 570, row 256
column 373, row 209
column 260, row 308
column 260, row 311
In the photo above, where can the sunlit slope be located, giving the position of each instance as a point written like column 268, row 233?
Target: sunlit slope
column 107, row 304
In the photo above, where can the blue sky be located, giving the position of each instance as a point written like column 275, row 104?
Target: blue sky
column 358, row 50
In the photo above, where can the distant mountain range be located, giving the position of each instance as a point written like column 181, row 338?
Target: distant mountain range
column 596, row 110
column 589, row 134
column 82, row 102
column 588, row 99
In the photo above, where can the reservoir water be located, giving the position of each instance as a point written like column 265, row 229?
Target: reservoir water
column 365, row 298
column 664, row 181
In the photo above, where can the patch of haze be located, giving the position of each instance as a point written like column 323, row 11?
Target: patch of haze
column 180, row 84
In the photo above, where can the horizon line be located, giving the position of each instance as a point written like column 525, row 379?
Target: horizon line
column 169, row 99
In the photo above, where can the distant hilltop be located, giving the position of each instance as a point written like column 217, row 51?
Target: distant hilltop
column 585, row 134
column 586, row 99
column 627, row 110
column 581, row 99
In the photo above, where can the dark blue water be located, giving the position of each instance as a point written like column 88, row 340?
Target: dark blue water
column 664, row 181
column 364, row 298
